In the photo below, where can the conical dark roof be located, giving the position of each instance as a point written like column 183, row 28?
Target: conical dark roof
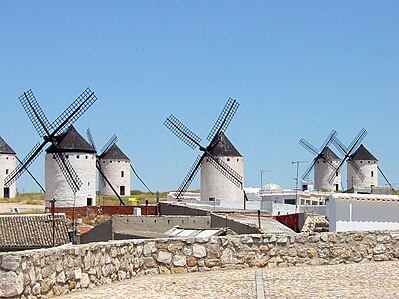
column 71, row 141
column 363, row 154
column 114, row 152
column 224, row 148
column 5, row 148
column 328, row 154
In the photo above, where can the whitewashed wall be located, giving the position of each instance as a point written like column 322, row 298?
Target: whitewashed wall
column 367, row 167
column 322, row 172
column 371, row 212
column 112, row 169
column 7, row 164
column 215, row 184
column 58, row 188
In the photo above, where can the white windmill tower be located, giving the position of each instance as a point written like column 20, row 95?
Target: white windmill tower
column 327, row 177
column 362, row 169
column 7, row 164
column 215, row 185
column 223, row 159
column 82, row 158
column 116, row 167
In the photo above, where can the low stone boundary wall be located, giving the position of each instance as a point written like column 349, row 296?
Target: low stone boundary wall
column 46, row 272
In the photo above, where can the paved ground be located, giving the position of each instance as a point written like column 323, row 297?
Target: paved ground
column 370, row 280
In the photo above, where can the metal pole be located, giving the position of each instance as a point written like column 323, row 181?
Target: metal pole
column 296, row 179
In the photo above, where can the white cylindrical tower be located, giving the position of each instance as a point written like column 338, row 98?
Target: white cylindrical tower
column 214, row 185
column 324, row 169
column 116, row 167
column 368, row 165
column 82, row 158
column 8, row 163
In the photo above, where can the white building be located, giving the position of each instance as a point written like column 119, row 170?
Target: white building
column 216, row 186
column 116, row 168
column 82, row 157
column 368, row 165
column 324, row 169
column 363, row 212
column 8, row 163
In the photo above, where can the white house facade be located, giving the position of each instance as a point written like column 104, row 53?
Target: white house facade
column 8, row 163
column 116, row 167
column 216, row 186
column 82, row 157
column 362, row 212
column 324, row 169
column 368, row 165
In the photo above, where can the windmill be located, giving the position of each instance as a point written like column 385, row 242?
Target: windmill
column 348, row 153
column 49, row 133
column 103, row 178
column 215, row 136
column 324, row 165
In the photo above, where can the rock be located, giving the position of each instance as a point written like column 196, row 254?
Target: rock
column 122, row 275
column 149, row 262
column 46, row 286
column 379, row 249
column 175, row 247
column 281, row 240
column 191, row 261
column 179, row 270
column 149, row 248
column 61, row 277
column 187, row 251
column 246, row 240
column 163, row 270
column 85, row 280
column 262, row 262
column 312, row 253
column 179, row 260
column 263, row 247
column 11, row 262
column 227, row 256
column 199, row 250
column 36, row 289
column 211, row 262
column 11, row 284
column 164, row 257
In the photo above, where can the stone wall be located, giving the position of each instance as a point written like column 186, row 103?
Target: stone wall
column 47, row 272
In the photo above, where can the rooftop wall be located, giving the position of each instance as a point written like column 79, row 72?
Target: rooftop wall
column 61, row 270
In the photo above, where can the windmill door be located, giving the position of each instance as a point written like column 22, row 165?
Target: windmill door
column 6, row 192
column 122, row 190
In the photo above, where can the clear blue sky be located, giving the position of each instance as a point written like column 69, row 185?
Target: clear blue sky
column 298, row 69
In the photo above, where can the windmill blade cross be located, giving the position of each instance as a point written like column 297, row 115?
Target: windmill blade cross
column 340, row 146
column 328, row 140
column 35, row 113
column 182, row 132
column 224, row 119
column 305, row 144
column 91, row 139
column 190, row 176
column 109, row 144
column 356, row 142
column 73, row 112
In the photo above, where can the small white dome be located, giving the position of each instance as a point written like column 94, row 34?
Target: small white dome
column 271, row 187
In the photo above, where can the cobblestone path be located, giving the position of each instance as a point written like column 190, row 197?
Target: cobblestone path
column 366, row 280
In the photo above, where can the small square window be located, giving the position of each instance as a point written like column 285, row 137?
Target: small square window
column 6, row 171
column 228, row 159
column 103, row 161
column 6, row 158
column 119, row 161
column 67, row 156
column 122, row 173
column 110, row 161
column 87, row 157
column 77, row 156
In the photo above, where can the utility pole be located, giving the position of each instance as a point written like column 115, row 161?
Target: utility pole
column 296, row 179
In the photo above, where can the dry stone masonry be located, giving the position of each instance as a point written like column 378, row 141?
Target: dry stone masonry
column 44, row 273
